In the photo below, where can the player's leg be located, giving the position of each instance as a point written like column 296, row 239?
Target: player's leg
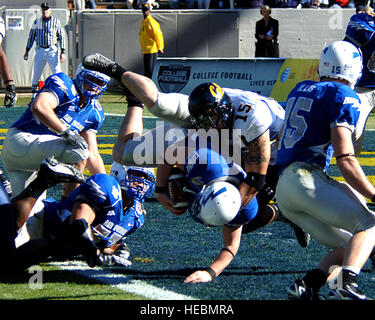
column 131, row 126
column 23, row 153
column 334, row 214
column 170, row 107
column 51, row 172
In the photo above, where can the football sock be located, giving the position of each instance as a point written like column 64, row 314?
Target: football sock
column 33, row 190
column 315, row 279
column 265, row 215
column 117, row 71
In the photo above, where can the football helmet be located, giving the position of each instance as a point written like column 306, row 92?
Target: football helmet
column 216, row 204
column 209, row 106
column 341, row 60
column 137, row 182
column 96, row 82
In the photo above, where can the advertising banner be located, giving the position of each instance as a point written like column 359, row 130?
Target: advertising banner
column 268, row 76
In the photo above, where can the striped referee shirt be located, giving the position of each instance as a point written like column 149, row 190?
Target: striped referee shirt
column 46, row 33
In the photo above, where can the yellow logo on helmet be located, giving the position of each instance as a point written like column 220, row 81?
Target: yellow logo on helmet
column 216, row 91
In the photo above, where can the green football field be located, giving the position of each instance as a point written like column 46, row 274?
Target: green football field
column 168, row 248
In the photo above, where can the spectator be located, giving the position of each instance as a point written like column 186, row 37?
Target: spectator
column 90, row 4
column 151, row 3
column 203, row 4
column 266, row 32
column 282, row 3
column 246, row 4
column 151, row 40
column 47, row 32
column 174, row 4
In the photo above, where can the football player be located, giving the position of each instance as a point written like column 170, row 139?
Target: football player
column 215, row 206
column 319, row 115
column 94, row 220
column 208, row 106
column 360, row 32
column 259, row 120
column 61, row 121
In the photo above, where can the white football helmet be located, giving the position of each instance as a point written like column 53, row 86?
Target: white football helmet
column 341, row 60
column 216, row 204
column 127, row 176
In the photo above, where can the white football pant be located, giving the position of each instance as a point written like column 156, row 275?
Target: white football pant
column 329, row 210
column 23, row 153
column 146, row 150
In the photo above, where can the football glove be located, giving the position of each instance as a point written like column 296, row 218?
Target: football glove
column 118, row 258
column 10, row 96
column 115, row 259
column 73, row 138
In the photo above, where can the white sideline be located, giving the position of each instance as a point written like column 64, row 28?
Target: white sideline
column 121, row 281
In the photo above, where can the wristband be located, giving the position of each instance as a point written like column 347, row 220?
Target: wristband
column 255, row 180
column 373, row 198
column 345, row 155
column 159, row 189
column 211, row 272
column 5, row 82
column 226, row 249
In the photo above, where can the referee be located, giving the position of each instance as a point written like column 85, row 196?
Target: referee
column 47, row 32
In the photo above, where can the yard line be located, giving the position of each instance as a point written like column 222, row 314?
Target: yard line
column 120, row 281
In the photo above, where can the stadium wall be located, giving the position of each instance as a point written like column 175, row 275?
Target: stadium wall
column 187, row 33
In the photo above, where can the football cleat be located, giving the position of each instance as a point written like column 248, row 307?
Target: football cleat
column 347, row 292
column 53, row 172
column 299, row 291
column 302, row 237
column 98, row 62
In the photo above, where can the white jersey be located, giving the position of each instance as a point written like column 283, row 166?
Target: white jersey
column 254, row 115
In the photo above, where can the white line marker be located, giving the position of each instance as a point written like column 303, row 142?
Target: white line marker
column 120, row 281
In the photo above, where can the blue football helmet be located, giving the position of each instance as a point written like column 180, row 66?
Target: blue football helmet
column 92, row 84
column 137, row 182
column 210, row 106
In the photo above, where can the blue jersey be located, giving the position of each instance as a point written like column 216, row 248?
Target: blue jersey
column 102, row 192
column 361, row 32
column 90, row 117
column 312, row 109
column 204, row 166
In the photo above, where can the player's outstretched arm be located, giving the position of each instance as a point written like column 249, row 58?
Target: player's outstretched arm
column 232, row 239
